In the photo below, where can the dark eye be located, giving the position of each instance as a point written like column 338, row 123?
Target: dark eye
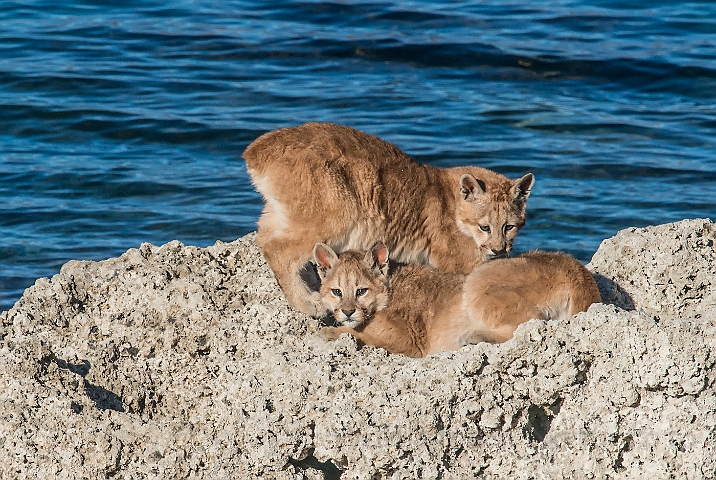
column 337, row 292
column 485, row 228
column 361, row 291
column 509, row 227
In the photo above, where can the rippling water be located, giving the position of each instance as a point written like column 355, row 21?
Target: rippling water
column 123, row 122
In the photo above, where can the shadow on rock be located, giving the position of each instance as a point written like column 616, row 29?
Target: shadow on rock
column 612, row 293
column 102, row 398
column 330, row 471
column 81, row 369
column 309, row 274
column 540, row 419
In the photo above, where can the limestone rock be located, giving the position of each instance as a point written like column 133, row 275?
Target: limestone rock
column 181, row 362
column 667, row 270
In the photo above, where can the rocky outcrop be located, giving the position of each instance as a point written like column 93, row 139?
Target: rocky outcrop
column 181, row 362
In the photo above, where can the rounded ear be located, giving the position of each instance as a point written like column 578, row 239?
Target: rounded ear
column 470, row 188
column 522, row 187
column 377, row 257
column 325, row 258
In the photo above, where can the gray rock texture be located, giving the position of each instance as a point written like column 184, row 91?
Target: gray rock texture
column 181, row 362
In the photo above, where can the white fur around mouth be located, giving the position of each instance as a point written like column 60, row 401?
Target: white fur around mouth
column 348, row 322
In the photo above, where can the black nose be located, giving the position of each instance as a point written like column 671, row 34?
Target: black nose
column 348, row 313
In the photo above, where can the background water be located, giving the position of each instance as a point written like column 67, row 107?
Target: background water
column 123, row 122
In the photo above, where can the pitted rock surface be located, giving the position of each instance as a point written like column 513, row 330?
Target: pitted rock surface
column 182, row 362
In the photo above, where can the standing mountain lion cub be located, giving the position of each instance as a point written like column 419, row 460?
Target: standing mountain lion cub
column 328, row 183
column 417, row 310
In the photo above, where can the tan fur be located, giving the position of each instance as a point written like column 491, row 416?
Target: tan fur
column 500, row 295
column 360, row 288
column 328, row 183
column 429, row 311
column 423, row 301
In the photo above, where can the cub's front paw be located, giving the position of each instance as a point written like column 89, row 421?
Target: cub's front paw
column 331, row 333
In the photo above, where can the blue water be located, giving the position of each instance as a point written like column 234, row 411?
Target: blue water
column 123, row 122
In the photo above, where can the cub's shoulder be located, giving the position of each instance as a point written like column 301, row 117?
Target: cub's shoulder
column 536, row 263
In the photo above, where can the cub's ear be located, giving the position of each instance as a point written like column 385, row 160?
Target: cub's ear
column 470, row 188
column 325, row 258
column 377, row 258
column 522, row 187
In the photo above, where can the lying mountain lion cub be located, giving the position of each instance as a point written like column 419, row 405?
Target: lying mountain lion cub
column 328, row 183
column 417, row 310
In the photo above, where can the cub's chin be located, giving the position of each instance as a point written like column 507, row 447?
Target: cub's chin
column 494, row 256
column 488, row 254
column 353, row 321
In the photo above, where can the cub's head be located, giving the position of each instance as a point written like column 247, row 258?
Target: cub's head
column 491, row 210
column 354, row 285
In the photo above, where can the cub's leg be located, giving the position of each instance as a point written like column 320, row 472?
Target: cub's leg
column 494, row 318
column 478, row 336
column 332, row 333
column 378, row 336
column 289, row 259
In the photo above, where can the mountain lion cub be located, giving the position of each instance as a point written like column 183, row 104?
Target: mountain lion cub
column 417, row 310
column 328, row 183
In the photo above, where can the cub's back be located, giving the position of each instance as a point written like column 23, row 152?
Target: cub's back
column 335, row 170
column 321, row 145
column 568, row 272
column 552, row 284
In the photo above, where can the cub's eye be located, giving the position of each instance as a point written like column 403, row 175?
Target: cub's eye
column 361, row 291
column 337, row 292
column 509, row 227
column 485, row 228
